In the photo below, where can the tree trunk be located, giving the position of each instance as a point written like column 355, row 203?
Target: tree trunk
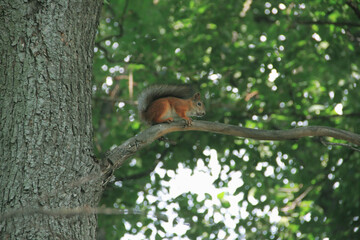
column 46, row 50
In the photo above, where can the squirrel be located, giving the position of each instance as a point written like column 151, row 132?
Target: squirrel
column 164, row 103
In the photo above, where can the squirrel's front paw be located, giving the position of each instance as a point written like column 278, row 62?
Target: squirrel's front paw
column 188, row 122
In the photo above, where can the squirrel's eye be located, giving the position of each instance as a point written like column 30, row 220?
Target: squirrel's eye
column 199, row 104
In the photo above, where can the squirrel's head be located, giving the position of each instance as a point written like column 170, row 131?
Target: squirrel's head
column 198, row 106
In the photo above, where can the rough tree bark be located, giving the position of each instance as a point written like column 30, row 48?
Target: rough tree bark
column 46, row 50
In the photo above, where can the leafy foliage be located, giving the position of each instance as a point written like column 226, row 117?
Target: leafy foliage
column 267, row 65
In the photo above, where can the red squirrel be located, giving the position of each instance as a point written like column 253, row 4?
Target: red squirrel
column 164, row 103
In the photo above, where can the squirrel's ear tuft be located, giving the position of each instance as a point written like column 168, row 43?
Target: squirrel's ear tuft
column 196, row 96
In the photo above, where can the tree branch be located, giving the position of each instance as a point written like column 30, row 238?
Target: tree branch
column 121, row 25
column 144, row 173
column 309, row 21
column 354, row 7
column 297, row 200
column 325, row 22
column 115, row 158
column 326, row 143
column 79, row 211
column 106, row 54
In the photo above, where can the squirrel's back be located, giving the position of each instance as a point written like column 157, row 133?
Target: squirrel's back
column 154, row 92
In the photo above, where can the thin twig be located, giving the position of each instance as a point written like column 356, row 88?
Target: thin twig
column 323, row 22
column 326, row 143
column 297, row 200
column 121, row 25
column 146, row 172
column 353, row 6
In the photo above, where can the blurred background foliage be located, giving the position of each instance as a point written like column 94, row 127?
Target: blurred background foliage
column 258, row 64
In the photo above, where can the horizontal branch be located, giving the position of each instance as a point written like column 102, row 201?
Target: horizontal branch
column 324, row 22
column 120, row 154
column 70, row 212
column 304, row 21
